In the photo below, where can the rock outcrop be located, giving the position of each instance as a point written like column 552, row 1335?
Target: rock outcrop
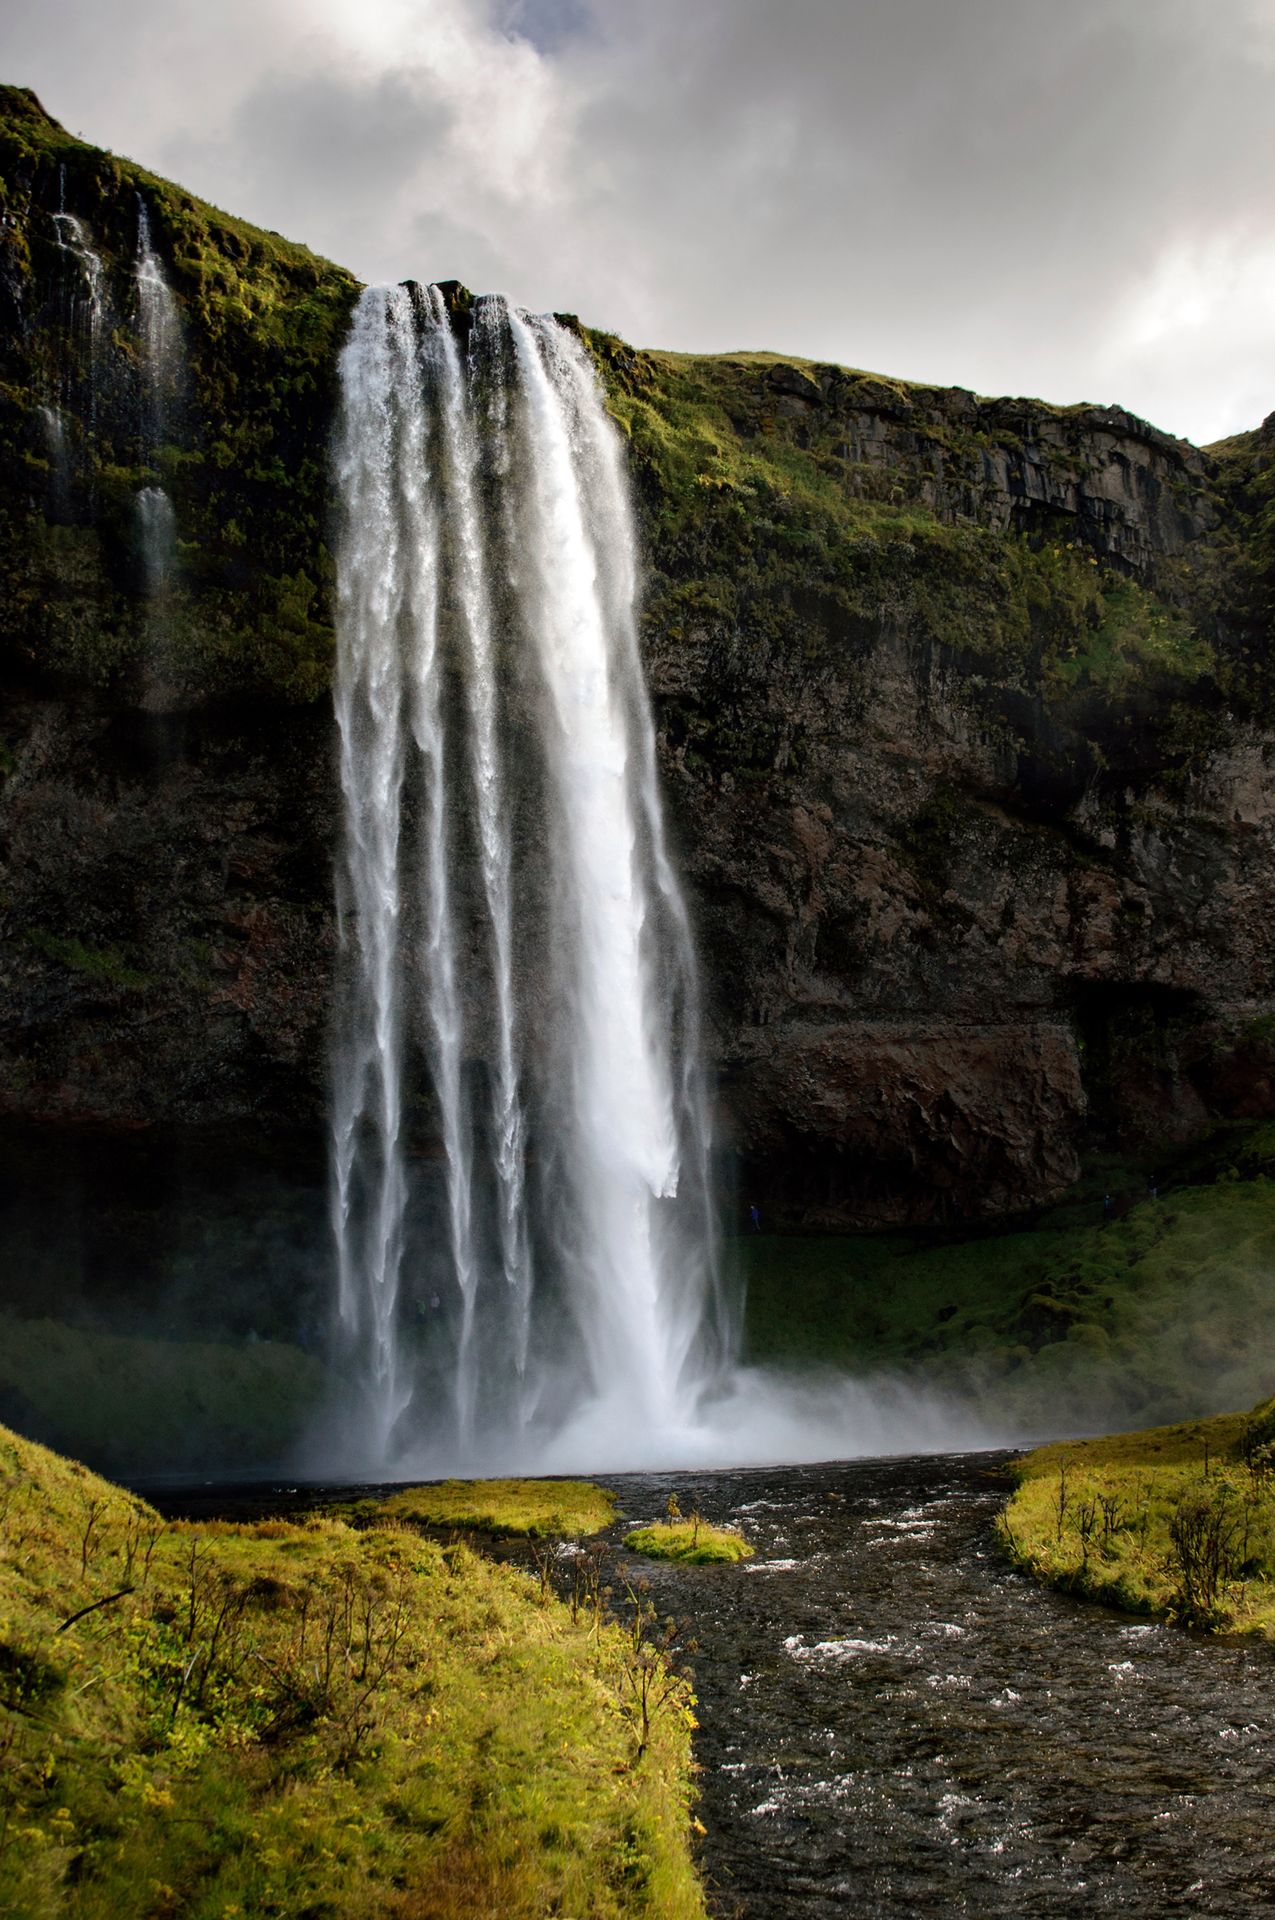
column 964, row 712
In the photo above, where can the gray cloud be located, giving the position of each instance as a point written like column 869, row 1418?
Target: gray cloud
column 1073, row 201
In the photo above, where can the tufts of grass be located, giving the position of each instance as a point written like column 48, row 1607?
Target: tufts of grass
column 222, row 1720
column 508, row 1509
column 1177, row 1521
column 693, row 1542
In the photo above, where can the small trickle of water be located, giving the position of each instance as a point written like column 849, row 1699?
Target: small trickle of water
column 59, row 458
column 159, row 328
column 161, row 369
column 157, row 539
column 84, row 313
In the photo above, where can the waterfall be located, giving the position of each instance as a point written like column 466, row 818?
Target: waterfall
column 59, row 461
column 159, row 329
column 159, row 332
column 84, row 312
column 520, row 1184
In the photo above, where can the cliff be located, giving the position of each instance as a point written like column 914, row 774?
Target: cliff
column 964, row 710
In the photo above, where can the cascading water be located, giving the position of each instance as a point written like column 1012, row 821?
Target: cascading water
column 159, row 330
column 84, row 314
column 515, row 951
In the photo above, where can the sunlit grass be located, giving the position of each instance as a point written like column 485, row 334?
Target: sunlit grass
column 220, row 1720
column 1177, row 1521
column 532, row 1508
column 693, row 1542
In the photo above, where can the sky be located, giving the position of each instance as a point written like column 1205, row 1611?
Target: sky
column 1073, row 199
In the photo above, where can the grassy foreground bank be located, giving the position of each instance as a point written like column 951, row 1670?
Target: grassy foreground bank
column 226, row 1721
column 1177, row 1521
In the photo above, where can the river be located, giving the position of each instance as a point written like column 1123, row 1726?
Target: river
column 893, row 1722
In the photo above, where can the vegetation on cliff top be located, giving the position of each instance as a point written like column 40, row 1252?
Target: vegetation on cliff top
column 793, row 512
column 792, row 507
column 1177, row 1521
column 220, row 1720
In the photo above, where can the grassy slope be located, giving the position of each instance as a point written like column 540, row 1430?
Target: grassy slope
column 1079, row 1322
column 305, row 1719
column 1178, row 1521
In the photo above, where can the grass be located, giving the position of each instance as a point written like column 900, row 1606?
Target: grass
column 506, row 1508
column 692, row 1542
column 132, row 1403
column 1078, row 1321
column 1177, row 1521
column 220, row 1720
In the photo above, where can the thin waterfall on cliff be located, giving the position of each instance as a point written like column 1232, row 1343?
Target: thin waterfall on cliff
column 84, row 314
column 521, row 1196
column 159, row 332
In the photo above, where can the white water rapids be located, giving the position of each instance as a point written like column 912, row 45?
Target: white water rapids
column 520, row 1153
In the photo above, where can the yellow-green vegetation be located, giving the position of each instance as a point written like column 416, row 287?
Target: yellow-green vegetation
column 1178, row 1521
column 1093, row 1317
column 694, row 1542
column 688, row 1538
column 131, row 1403
column 781, row 509
column 220, row 1720
column 509, row 1509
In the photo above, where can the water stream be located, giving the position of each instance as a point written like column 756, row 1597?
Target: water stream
column 893, row 1722
column 160, row 367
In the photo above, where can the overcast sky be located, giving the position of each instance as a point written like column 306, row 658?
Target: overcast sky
column 1069, row 198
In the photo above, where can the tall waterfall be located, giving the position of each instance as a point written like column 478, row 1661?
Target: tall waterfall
column 520, row 1154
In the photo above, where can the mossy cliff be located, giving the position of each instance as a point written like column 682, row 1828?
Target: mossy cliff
column 964, row 709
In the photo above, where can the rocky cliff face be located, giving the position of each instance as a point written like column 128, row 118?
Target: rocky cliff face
column 963, row 710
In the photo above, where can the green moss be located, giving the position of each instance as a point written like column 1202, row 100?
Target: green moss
column 295, row 1719
column 526, row 1508
column 692, row 1542
column 104, row 965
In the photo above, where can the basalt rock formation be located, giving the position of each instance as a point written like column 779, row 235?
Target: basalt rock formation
column 965, row 718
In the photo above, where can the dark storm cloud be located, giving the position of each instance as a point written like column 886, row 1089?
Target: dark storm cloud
column 1070, row 200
